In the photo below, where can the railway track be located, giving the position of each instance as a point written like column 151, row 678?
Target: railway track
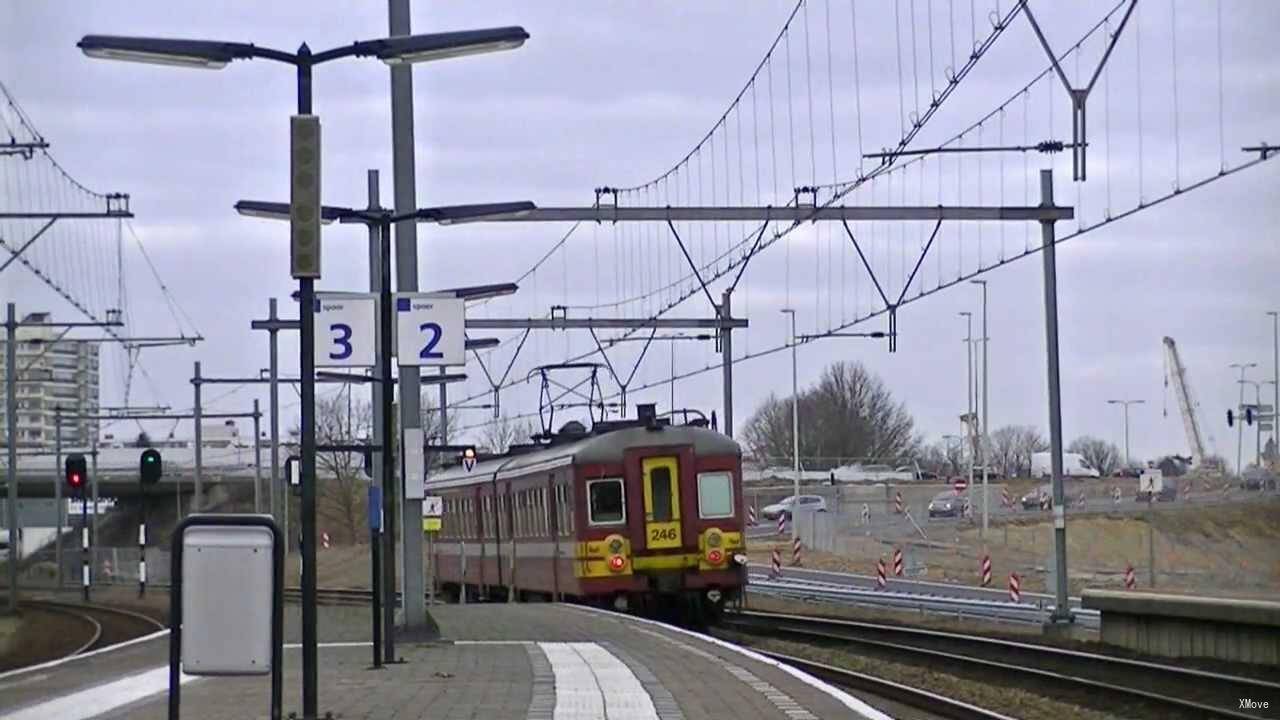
column 1106, row 682
column 110, row 625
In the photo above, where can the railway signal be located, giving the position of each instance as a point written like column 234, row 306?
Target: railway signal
column 150, row 467
column 77, row 472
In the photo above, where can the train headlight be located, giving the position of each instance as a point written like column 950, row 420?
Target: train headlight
column 714, row 539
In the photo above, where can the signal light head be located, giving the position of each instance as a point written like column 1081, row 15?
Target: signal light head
column 715, row 557
column 617, row 563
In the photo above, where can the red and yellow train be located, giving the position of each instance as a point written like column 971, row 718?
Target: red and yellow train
column 639, row 514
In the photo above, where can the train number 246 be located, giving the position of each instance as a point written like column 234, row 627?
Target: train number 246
column 656, row 534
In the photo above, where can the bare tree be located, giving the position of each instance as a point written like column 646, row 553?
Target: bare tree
column 941, row 457
column 1012, row 447
column 1101, row 455
column 342, row 486
column 502, row 433
column 850, row 413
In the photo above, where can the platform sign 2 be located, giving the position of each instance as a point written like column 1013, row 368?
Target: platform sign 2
column 345, row 327
column 430, row 330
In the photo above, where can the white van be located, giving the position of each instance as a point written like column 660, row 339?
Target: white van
column 1073, row 465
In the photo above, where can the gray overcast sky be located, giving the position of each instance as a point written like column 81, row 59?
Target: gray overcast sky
column 616, row 93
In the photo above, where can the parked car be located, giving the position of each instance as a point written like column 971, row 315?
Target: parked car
column 1256, row 478
column 1037, row 497
column 808, row 503
column 948, row 504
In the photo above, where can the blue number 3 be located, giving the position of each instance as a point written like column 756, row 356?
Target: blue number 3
column 343, row 341
column 435, row 331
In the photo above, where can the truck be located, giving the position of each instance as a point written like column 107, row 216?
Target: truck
column 1073, row 465
column 1151, row 486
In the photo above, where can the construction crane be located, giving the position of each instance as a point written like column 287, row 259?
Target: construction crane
column 1174, row 368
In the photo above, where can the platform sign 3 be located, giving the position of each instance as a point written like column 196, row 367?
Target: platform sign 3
column 430, row 330
column 345, row 325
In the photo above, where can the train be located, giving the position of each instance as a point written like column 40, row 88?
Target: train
column 641, row 515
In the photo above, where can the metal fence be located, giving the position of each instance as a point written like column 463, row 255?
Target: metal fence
column 108, row 566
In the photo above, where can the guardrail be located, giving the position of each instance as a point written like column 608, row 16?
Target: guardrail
column 938, row 604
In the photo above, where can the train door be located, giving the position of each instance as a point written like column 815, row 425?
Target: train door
column 661, row 502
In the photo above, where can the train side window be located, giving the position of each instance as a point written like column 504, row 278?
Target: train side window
column 606, row 505
column 715, row 495
column 569, row 519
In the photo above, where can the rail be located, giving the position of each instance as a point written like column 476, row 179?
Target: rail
column 1102, row 678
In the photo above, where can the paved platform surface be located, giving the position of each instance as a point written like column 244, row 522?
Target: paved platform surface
column 525, row 662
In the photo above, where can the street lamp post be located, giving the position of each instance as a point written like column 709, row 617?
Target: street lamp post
column 216, row 55
column 970, row 430
column 1243, row 368
column 984, row 421
column 1275, row 379
column 1126, row 404
column 795, row 426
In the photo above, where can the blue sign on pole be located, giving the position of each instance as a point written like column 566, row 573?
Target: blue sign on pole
column 375, row 508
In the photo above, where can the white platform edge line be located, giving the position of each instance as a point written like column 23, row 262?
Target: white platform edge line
column 851, row 702
column 64, row 660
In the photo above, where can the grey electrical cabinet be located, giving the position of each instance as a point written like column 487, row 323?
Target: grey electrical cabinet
column 227, row 596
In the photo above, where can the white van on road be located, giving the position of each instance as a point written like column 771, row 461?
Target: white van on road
column 1073, row 465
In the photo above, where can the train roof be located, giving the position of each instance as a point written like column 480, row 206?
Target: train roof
column 597, row 448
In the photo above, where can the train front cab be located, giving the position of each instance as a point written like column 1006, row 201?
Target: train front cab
column 675, row 545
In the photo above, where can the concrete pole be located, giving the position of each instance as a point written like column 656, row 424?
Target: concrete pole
column 196, row 503
column 985, row 444
column 726, row 362
column 93, row 491
column 57, row 488
column 1275, row 378
column 795, row 426
column 11, row 421
column 402, row 165
column 279, row 494
column 1126, row 432
column 257, row 458
column 1061, row 610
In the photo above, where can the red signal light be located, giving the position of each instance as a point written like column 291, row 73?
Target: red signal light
column 715, row 557
column 75, row 480
column 617, row 562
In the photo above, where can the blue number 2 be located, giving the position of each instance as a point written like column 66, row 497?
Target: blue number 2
column 434, row 330
column 342, row 340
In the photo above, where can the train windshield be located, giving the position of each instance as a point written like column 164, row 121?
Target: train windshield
column 715, row 495
column 606, row 501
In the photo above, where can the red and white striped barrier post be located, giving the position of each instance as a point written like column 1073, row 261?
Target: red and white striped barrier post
column 897, row 562
column 1115, row 496
column 1130, row 580
column 751, row 514
column 897, row 503
column 795, row 551
column 775, row 569
column 880, row 582
column 1015, row 587
column 324, row 540
column 985, row 570
column 782, row 524
column 1005, row 500
column 142, row 559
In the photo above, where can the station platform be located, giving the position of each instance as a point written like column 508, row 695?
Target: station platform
column 494, row 661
